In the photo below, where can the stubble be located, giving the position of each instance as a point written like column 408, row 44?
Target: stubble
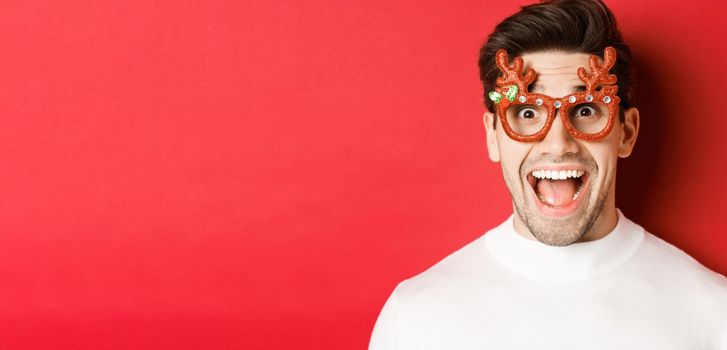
column 553, row 231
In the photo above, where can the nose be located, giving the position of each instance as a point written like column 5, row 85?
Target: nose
column 558, row 141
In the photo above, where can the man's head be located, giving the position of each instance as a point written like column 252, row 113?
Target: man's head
column 555, row 39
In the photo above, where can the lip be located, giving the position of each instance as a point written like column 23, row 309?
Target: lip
column 563, row 211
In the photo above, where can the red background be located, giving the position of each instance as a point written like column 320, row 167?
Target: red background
column 260, row 175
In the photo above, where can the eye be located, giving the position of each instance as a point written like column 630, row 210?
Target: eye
column 527, row 113
column 585, row 111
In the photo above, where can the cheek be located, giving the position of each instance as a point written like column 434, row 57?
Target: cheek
column 512, row 155
column 606, row 157
column 605, row 152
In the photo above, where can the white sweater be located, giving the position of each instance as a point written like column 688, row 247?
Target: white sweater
column 628, row 290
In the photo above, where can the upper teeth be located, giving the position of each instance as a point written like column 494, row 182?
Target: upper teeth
column 557, row 174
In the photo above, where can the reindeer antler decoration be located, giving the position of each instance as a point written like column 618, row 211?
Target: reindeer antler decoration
column 512, row 80
column 600, row 72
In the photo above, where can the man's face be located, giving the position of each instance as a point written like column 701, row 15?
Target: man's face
column 554, row 210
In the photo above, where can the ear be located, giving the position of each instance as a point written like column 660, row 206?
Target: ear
column 491, row 134
column 629, row 132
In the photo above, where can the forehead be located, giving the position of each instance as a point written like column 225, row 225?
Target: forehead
column 556, row 71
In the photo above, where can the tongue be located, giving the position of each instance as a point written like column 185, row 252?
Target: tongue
column 557, row 193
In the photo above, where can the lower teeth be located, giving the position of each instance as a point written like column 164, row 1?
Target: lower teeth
column 541, row 198
column 578, row 191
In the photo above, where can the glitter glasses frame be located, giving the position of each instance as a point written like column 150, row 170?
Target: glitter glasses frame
column 512, row 90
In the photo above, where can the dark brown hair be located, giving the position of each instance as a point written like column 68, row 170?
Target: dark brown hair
column 586, row 26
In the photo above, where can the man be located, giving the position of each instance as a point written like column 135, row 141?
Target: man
column 567, row 270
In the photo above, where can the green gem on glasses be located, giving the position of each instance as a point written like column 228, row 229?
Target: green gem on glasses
column 511, row 93
column 495, row 96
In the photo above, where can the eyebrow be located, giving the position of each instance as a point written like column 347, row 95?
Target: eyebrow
column 535, row 87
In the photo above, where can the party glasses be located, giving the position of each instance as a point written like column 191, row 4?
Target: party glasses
column 527, row 117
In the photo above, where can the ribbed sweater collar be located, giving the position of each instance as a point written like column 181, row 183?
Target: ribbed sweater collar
column 578, row 261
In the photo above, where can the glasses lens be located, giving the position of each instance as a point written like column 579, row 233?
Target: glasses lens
column 589, row 118
column 526, row 119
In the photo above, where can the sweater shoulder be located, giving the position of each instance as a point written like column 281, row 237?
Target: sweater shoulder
column 672, row 271
column 468, row 266
column 669, row 259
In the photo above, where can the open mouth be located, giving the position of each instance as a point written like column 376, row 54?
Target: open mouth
column 557, row 192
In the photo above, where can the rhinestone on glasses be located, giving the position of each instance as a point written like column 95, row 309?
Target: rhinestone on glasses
column 538, row 101
column 557, row 104
column 572, row 99
column 589, row 98
column 607, row 99
column 522, row 99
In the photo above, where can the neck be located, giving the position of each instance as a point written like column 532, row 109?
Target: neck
column 542, row 262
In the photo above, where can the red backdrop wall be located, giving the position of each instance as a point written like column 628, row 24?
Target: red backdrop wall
column 259, row 175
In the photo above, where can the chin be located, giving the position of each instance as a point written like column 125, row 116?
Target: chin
column 567, row 221
column 556, row 231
